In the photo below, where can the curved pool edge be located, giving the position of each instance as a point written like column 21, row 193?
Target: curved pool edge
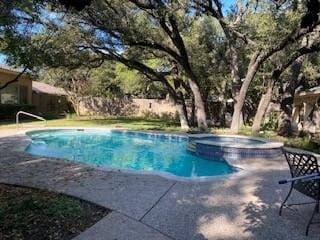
column 148, row 132
column 240, row 168
column 170, row 176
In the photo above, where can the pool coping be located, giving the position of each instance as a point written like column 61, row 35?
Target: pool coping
column 266, row 143
column 240, row 170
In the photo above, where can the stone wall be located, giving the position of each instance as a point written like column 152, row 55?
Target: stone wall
column 125, row 107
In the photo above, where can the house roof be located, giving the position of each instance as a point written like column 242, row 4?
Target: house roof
column 315, row 89
column 309, row 96
column 41, row 87
column 11, row 69
column 310, row 92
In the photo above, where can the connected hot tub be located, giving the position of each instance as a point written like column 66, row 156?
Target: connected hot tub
column 232, row 147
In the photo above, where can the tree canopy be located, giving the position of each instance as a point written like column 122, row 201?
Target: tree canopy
column 191, row 50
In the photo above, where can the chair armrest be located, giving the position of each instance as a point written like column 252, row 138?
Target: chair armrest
column 310, row 177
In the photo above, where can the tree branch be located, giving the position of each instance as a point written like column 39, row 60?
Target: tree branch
column 133, row 64
column 14, row 79
column 228, row 29
column 48, row 37
column 294, row 56
column 291, row 38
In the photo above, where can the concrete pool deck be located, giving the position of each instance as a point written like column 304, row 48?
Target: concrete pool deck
column 243, row 206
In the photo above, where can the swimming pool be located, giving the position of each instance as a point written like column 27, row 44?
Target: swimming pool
column 126, row 150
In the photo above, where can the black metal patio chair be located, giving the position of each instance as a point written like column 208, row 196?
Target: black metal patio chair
column 305, row 178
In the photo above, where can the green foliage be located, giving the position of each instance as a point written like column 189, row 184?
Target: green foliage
column 63, row 207
column 70, row 116
column 169, row 116
column 74, row 81
column 272, row 123
column 105, row 49
column 303, row 143
column 207, row 49
column 20, row 21
column 311, row 69
column 50, row 116
column 104, row 83
column 110, row 80
column 163, row 116
column 135, row 84
column 268, row 25
column 31, row 214
column 134, row 123
column 150, row 115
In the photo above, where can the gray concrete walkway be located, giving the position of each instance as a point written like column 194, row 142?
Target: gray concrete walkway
column 243, row 206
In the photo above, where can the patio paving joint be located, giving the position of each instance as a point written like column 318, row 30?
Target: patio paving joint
column 145, row 224
column 165, row 193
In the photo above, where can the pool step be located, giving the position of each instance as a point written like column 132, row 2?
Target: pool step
column 191, row 147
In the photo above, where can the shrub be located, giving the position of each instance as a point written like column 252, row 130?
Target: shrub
column 8, row 111
column 71, row 116
column 272, row 122
column 149, row 114
column 50, row 115
column 169, row 116
column 303, row 143
column 162, row 116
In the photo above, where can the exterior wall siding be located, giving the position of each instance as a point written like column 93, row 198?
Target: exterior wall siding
column 24, row 81
column 47, row 103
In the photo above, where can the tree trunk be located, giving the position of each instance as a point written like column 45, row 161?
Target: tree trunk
column 182, row 112
column 263, row 106
column 285, row 125
column 199, row 106
column 237, row 114
column 75, row 101
column 236, row 80
column 182, row 109
column 285, row 120
column 222, row 112
column 192, row 118
column 234, row 67
column 76, row 108
column 240, row 98
column 183, row 60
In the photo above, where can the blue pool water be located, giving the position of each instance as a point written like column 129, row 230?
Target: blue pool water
column 125, row 150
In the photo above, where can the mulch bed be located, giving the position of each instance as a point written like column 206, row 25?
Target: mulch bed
column 27, row 213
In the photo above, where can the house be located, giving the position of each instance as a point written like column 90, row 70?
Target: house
column 47, row 98
column 44, row 97
column 19, row 92
column 306, row 110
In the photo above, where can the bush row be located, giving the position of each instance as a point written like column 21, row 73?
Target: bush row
column 8, row 111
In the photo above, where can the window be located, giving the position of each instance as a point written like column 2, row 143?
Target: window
column 23, row 95
column 9, row 94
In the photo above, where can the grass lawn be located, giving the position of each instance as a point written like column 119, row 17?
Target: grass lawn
column 139, row 123
column 134, row 123
column 37, row 214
